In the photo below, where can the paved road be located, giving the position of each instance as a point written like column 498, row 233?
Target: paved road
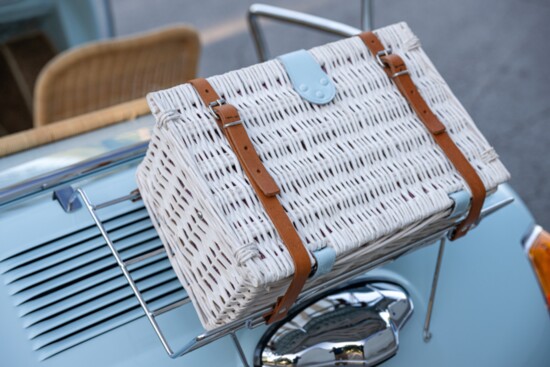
column 493, row 54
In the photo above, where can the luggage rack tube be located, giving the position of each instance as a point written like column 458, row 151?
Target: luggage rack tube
column 294, row 17
column 257, row 318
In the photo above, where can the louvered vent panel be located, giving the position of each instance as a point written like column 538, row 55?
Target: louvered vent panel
column 70, row 289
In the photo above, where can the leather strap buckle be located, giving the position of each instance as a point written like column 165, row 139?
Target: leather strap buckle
column 385, row 52
column 216, row 103
column 387, row 64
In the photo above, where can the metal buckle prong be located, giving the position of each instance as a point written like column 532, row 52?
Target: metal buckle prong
column 216, row 103
column 385, row 52
column 229, row 124
column 399, row 73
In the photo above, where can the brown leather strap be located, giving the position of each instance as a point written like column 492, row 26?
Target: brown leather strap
column 265, row 187
column 237, row 136
column 395, row 68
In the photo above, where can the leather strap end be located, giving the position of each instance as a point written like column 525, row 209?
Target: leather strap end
column 269, row 187
column 205, row 91
column 278, row 313
column 302, row 270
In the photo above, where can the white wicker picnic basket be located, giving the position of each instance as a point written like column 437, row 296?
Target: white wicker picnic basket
column 358, row 175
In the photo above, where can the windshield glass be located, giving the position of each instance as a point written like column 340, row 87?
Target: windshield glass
column 41, row 160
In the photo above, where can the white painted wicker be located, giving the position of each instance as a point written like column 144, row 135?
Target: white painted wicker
column 361, row 174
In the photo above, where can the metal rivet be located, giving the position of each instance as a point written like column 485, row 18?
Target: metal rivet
column 319, row 94
column 324, row 81
column 303, row 88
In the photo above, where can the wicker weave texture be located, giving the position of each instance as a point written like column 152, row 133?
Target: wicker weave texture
column 106, row 73
column 360, row 174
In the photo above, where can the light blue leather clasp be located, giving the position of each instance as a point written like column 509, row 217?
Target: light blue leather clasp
column 307, row 77
column 325, row 259
column 462, row 200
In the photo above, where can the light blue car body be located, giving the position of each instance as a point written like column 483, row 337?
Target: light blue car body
column 488, row 308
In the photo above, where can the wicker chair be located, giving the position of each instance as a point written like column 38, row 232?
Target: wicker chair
column 107, row 73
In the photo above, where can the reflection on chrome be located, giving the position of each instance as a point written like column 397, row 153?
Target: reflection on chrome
column 356, row 325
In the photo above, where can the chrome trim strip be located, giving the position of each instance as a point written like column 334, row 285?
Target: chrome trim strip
column 72, row 172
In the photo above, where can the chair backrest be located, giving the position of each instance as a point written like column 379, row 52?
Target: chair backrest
column 106, row 73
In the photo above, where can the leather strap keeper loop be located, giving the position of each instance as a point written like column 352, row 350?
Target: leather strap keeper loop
column 396, row 69
column 266, row 189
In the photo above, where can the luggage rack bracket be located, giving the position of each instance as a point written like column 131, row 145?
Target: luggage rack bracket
column 256, row 319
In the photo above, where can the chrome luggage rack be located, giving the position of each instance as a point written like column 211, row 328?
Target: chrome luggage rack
column 255, row 319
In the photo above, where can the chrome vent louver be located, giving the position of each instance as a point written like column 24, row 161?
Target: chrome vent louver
column 70, row 289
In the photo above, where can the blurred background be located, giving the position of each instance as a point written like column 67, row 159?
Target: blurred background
column 492, row 53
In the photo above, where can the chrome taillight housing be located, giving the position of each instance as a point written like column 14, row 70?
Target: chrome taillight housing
column 356, row 325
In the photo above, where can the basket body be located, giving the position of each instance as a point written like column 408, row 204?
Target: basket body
column 360, row 174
